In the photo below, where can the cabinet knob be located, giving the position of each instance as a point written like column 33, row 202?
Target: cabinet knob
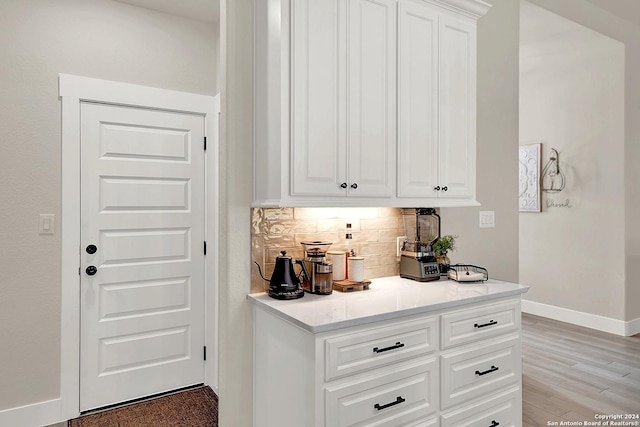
column 343, row 185
column 444, row 188
column 494, row 423
column 437, row 188
column 91, row 270
column 354, row 185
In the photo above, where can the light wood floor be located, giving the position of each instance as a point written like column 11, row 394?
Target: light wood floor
column 571, row 373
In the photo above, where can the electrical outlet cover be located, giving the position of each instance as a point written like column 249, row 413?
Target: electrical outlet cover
column 399, row 242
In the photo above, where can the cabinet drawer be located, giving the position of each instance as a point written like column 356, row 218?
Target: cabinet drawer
column 504, row 410
column 479, row 323
column 397, row 396
column 371, row 348
column 481, row 370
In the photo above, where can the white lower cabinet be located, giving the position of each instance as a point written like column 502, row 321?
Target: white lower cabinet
column 480, row 369
column 504, row 410
column 396, row 396
column 411, row 371
column 361, row 351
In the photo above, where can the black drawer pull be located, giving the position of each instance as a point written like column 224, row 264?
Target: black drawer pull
column 398, row 401
column 492, row 369
column 494, row 423
column 491, row 322
column 381, row 350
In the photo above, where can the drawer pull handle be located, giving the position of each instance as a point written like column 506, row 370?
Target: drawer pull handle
column 494, row 423
column 393, row 347
column 491, row 322
column 398, row 401
column 492, row 369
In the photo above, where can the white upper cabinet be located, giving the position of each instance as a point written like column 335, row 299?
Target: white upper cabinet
column 436, row 104
column 457, row 108
column 417, row 100
column 371, row 97
column 318, row 99
column 343, row 63
column 335, row 125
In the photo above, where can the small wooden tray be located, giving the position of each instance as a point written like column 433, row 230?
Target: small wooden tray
column 349, row 286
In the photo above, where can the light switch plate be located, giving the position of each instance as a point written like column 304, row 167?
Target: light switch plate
column 47, row 224
column 487, row 219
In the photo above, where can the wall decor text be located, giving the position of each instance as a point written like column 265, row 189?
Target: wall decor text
column 551, row 203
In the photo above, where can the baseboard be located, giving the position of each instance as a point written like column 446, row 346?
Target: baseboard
column 633, row 327
column 34, row 415
column 580, row 318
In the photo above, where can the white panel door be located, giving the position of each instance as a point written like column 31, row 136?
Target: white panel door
column 457, row 107
column 142, row 201
column 417, row 100
column 318, row 149
column 371, row 87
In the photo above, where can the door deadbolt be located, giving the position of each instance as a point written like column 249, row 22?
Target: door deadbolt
column 91, row 249
column 91, row 270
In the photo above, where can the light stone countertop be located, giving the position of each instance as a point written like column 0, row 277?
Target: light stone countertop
column 386, row 298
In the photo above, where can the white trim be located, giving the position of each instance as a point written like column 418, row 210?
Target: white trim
column 632, row 327
column 593, row 321
column 70, row 259
column 36, row 414
column 212, row 209
column 88, row 89
column 73, row 90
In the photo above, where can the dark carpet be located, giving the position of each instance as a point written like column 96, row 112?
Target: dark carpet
column 196, row 407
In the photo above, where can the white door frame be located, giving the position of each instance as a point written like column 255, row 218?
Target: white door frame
column 73, row 90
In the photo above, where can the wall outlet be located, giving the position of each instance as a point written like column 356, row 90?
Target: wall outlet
column 487, row 219
column 399, row 242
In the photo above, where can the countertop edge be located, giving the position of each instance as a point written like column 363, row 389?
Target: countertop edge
column 340, row 324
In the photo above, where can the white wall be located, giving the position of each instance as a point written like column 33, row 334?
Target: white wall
column 236, row 160
column 38, row 40
column 572, row 99
column 497, row 142
column 615, row 27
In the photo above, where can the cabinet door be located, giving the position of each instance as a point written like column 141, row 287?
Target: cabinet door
column 400, row 396
column 417, row 100
column 504, row 410
column 457, row 121
column 480, row 370
column 318, row 150
column 371, row 86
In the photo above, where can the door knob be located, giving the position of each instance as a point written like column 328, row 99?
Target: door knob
column 91, row 249
column 91, row 270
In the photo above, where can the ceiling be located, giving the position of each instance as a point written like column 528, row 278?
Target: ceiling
column 209, row 10
column 625, row 9
column 201, row 10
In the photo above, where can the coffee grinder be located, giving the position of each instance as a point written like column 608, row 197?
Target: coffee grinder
column 417, row 260
column 316, row 270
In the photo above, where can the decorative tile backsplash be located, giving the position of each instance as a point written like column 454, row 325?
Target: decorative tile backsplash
column 374, row 233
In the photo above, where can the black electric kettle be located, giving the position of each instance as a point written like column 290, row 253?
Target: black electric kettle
column 284, row 283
